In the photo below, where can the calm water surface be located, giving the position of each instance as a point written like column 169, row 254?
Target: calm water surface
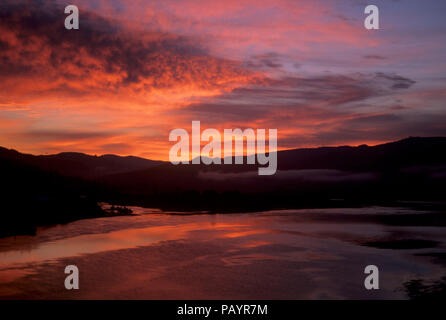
column 287, row 254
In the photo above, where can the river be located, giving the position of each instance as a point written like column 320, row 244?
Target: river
column 283, row 254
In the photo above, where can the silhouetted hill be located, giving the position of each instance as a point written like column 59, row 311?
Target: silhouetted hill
column 410, row 169
column 407, row 154
column 412, row 151
column 67, row 186
column 33, row 193
column 79, row 164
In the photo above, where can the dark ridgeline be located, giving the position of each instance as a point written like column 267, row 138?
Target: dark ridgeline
column 410, row 169
column 43, row 190
column 40, row 190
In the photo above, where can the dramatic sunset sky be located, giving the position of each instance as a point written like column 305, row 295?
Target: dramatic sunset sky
column 138, row 69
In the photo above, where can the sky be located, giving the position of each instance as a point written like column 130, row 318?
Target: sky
column 135, row 70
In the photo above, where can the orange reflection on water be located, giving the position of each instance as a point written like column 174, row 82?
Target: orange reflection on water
column 115, row 240
column 19, row 255
column 255, row 244
column 240, row 234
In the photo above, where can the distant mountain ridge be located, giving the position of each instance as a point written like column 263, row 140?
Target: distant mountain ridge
column 406, row 152
column 79, row 164
column 413, row 151
column 409, row 169
column 409, row 152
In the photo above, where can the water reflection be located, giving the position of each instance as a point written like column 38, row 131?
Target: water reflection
column 271, row 255
column 116, row 240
